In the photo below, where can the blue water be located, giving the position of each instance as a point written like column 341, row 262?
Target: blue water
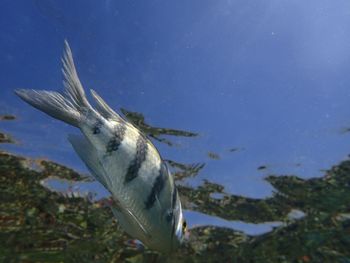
column 269, row 77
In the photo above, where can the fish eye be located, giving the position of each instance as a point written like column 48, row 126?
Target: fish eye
column 184, row 226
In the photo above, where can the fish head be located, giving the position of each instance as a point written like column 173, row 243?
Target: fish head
column 176, row 223
column 168, row 233
column 180, row 228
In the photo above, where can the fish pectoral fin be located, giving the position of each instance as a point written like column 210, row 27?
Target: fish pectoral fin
column 138, row 222
column 87, row 153
column 127, row 219
column 159, row 205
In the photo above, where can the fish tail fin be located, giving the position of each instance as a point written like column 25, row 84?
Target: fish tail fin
column 66, row 107
column 88, row 154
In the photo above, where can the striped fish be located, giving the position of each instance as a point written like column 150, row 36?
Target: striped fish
column 119, row 156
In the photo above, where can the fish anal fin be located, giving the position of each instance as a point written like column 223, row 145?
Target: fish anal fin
column 87, row 153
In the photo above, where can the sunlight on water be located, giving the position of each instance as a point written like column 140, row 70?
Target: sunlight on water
column 199, row 219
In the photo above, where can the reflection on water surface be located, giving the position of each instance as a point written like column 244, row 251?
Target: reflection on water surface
column 304, row 220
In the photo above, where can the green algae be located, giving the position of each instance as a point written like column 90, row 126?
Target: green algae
column 155, row 133
column 6, row 138
column 39, row 225
column 182, row 171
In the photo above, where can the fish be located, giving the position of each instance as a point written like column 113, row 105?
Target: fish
column 118, row 155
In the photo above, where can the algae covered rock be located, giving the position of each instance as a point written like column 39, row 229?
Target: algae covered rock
column 40, row 225
column 6, row 138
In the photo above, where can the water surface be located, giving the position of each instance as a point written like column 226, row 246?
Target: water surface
column 265, row 85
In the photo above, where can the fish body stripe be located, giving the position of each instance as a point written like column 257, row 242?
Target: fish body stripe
column 140, row 157
column 96, row 129
column 173, row 205
column 170, row 214
column 157, row 187
column 116, row 140
column 174, row 198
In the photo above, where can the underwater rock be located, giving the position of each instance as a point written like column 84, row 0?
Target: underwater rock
column 182, row 171
column 5, row 138
column 39, row 225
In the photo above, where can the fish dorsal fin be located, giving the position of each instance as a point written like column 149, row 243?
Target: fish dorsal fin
column 73, row 88
column 103, row 108
column 87, row 153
